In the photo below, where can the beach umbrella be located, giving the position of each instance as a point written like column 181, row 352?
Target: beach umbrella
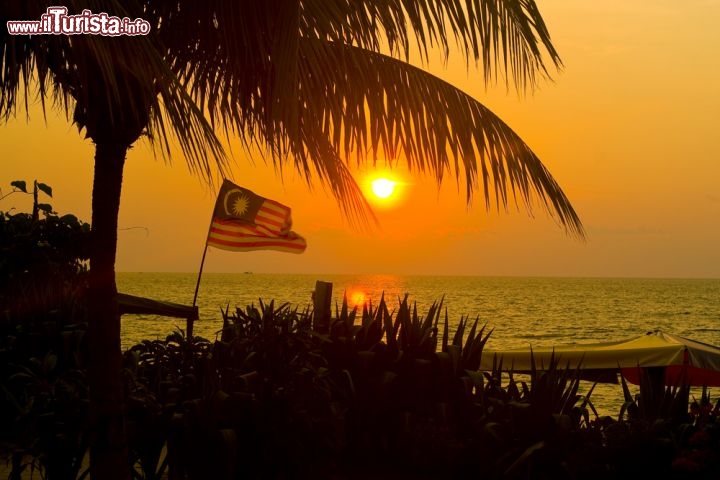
column 683, row 360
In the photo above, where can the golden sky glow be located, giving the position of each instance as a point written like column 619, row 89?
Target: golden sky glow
column 628, row 129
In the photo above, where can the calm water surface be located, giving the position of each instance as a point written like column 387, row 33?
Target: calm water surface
column 522, row 311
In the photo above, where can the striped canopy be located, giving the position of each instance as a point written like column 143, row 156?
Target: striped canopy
column 684, row 360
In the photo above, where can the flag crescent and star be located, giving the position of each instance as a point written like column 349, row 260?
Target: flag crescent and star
column 245, row 221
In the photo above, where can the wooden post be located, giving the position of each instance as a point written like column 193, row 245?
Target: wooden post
column 190, row 321
column 322, row 307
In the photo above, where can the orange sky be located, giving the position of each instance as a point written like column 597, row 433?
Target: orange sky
column 628, row 129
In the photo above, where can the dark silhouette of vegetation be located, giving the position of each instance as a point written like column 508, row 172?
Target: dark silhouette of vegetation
column 307, row 80
column 43, row 278
column 273, row 399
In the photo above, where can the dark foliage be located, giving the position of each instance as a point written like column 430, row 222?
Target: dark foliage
column 43, row 392
column 43, row 273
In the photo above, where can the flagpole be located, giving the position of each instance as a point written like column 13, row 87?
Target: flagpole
column 202, row 261
column 277, row 214
column 207, row 237
column 197, row 285
column 190, row 322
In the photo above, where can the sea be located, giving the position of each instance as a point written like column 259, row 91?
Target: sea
column 521, row 311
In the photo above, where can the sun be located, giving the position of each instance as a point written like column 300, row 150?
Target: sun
column 383, row 188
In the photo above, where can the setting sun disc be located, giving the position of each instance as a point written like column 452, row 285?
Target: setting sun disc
column 383, row 188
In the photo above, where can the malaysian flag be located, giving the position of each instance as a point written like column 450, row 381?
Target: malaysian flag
column 244, row 221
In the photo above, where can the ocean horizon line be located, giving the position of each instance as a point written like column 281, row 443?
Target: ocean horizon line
column 426, row 275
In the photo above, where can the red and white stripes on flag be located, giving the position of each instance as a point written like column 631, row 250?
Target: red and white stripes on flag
column 243, row 221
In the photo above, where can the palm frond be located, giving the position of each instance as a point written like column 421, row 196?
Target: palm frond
column 507, row 37
column 368, row 103
column 305, row 81
column 106, row 83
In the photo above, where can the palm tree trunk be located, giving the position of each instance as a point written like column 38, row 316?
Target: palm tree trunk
column 108, row 450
